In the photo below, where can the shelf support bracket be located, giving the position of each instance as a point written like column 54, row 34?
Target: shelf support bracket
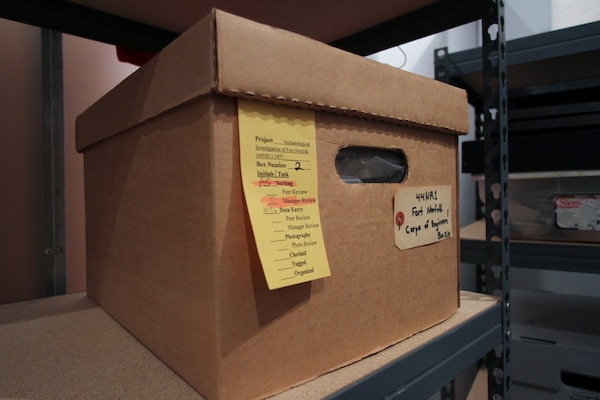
column 53, row 151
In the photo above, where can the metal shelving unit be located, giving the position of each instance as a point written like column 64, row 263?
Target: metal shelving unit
column 552, row 110
column 429, row 368
column 554, row 96
column 540, row 255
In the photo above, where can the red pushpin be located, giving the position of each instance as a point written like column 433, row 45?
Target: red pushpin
column 399, row 218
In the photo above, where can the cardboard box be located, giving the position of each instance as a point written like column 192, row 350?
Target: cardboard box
column 170, row 250
column 555, row 351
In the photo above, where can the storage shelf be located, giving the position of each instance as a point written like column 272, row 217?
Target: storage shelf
column 67, row 332
column 413, row 369
column 561, row 256
column 553, row 124
column 552, row 102
column 536, row 62
column 150, row 25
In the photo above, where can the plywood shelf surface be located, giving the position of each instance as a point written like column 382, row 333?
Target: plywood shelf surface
column 68, row 347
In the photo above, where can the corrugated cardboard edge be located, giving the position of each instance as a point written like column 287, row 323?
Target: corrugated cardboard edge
column 237, row 57
column 456, row 228
column 265, row 63
column 183, row 71
column 371, row 353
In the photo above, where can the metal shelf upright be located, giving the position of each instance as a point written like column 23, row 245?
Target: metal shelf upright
column 495, row 134
column 491, row 125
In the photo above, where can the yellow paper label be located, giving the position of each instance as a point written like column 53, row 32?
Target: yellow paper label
column 278, row 158
column 422, row 215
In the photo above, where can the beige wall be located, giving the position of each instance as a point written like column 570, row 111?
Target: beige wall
column 21, row 175
column 90, row 70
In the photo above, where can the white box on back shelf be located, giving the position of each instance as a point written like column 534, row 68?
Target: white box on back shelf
column 561, row 206
column 555, row 347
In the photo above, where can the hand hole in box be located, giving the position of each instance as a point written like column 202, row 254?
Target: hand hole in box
column 359, row 164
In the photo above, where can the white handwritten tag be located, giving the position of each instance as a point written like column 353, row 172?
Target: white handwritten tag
column 422, row 215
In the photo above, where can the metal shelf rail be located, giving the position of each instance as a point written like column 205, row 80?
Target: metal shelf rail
column 571, row 257
column 53, row 161
column 79, row 20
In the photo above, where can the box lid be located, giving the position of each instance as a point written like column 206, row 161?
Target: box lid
column 234, row 56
